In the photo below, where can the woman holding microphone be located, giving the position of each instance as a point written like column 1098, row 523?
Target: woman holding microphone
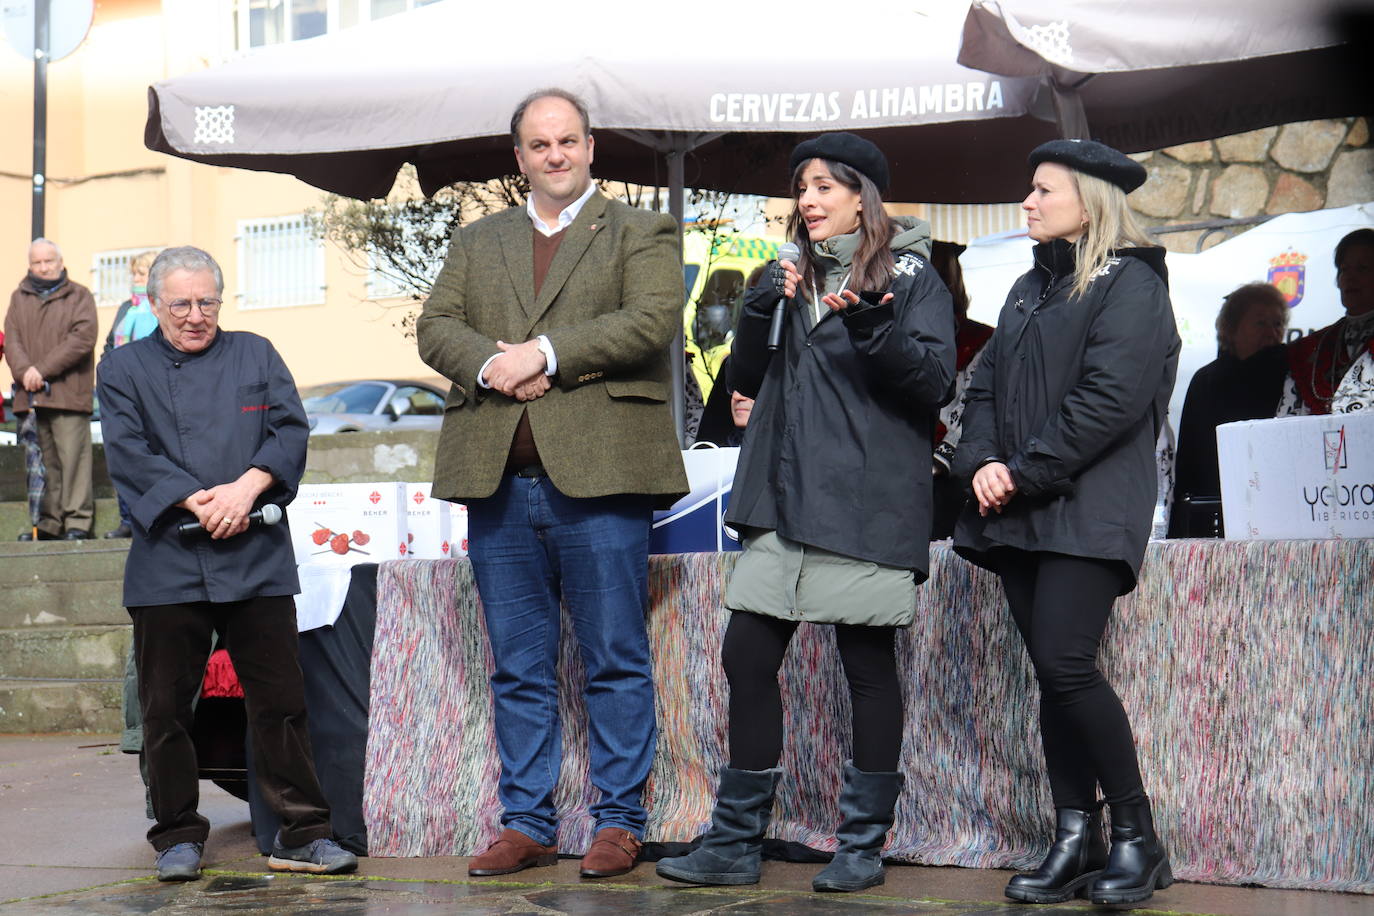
column 1059, row 433
column 832, row 497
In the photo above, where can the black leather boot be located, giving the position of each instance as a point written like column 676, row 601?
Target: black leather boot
column 1137, row 865
column 1077, row 857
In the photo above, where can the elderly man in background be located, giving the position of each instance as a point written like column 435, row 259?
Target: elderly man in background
column 204, row 426
column 50, row 332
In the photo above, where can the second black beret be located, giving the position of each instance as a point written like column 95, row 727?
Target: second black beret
column 1092, row 158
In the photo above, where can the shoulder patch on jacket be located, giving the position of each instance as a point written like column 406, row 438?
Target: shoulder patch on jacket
column 908, row 263
column 1104, row 269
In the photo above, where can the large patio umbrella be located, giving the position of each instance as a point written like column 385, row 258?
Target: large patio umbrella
column 713, row 97
column 1141, row 76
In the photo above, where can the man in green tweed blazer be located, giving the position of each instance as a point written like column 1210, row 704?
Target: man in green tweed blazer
column 553, row 323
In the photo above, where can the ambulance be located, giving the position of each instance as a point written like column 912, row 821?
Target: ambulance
column 716, row 266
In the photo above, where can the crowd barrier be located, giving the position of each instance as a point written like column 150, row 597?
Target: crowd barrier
column 1245, row 667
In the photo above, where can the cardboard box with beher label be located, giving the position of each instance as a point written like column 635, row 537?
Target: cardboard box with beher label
column 1298, row 477
column 435, row 529
column 346, row 523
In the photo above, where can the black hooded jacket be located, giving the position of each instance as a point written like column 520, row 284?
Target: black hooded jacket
column 837, row 451
column 1071, row 395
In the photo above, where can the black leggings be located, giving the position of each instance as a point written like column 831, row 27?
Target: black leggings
column 752, row 654
column 1061, row 604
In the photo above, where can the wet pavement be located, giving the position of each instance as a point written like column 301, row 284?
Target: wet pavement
column 345, row 897
column 221, row 891
column 71, row 842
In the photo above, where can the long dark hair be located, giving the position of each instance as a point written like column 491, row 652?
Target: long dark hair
column 873, row 263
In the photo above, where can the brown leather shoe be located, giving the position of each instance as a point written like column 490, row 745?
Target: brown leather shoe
column 512, row 851
column 613, row 852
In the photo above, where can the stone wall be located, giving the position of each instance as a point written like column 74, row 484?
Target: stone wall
column 340, row 458
column 1309, row 165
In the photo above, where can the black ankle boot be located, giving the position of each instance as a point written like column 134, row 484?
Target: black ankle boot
column 1137, row 865
column 1077, row 858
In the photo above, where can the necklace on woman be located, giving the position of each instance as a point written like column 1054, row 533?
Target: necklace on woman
column 1332, row 374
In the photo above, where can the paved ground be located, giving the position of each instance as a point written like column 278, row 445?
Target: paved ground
column 71, row 842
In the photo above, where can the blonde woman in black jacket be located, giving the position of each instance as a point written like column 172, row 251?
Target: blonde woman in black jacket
column 1060, row 425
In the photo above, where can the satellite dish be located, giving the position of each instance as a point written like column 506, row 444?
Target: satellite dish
column 68, row 23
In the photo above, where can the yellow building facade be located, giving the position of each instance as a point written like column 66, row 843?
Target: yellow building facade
column 109, row 197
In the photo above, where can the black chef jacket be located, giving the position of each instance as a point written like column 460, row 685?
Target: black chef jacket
column 177, row 422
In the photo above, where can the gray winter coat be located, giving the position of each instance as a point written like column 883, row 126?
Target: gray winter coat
column 837, row 451
column 1071, row 395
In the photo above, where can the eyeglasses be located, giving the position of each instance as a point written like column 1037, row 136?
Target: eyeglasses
column 180, row 308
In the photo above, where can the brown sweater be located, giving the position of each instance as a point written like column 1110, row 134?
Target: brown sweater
column 57, row 336
column 523, row 452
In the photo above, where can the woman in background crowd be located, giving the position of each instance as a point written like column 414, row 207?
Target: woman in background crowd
column 1060, row 426
column 832, row 499
column 1332, row 370
column 727, row 412
column 1243, row 383
column 969, row 338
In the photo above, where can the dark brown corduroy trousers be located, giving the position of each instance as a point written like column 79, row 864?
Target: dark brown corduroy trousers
column 171, row 646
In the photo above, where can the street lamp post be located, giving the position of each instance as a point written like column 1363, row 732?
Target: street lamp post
column 41, row 45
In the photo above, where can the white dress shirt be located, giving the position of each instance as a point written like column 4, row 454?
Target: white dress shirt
column 565, row 218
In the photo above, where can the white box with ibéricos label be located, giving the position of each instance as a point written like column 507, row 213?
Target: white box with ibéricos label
column 1298, row 478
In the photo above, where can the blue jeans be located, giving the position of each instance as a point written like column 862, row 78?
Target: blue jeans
column 529, row 544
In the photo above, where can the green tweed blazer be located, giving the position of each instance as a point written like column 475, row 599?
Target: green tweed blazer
column 610, row 305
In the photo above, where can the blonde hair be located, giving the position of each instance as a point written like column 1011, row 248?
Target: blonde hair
column 1111, row 225
column 144, row 261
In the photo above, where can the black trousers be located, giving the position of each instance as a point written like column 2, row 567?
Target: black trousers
column 752, row 654
column 171, row 647
column 1061, row 604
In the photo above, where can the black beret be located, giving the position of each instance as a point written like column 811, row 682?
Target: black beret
column 1092, row 158
column 841, row 146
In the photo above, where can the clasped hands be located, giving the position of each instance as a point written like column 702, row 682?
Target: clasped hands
column 786, row 279
column 993, row 487
column 223, row 510
column 518, row 370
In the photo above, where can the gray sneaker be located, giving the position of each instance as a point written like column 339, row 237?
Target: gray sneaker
column 321, row 857
column 180, row 862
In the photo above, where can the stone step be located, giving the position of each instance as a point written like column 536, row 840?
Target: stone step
column 14, row 517
column 14, row 480
column 62, row 604
column 36, row 707
column 24, row 562
column 65, row 652
column 62, row 583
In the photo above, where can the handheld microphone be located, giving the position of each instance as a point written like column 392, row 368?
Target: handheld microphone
column 269, row 514
column 787, row 252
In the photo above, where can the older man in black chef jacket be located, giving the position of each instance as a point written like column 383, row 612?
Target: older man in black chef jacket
column 204, row 426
